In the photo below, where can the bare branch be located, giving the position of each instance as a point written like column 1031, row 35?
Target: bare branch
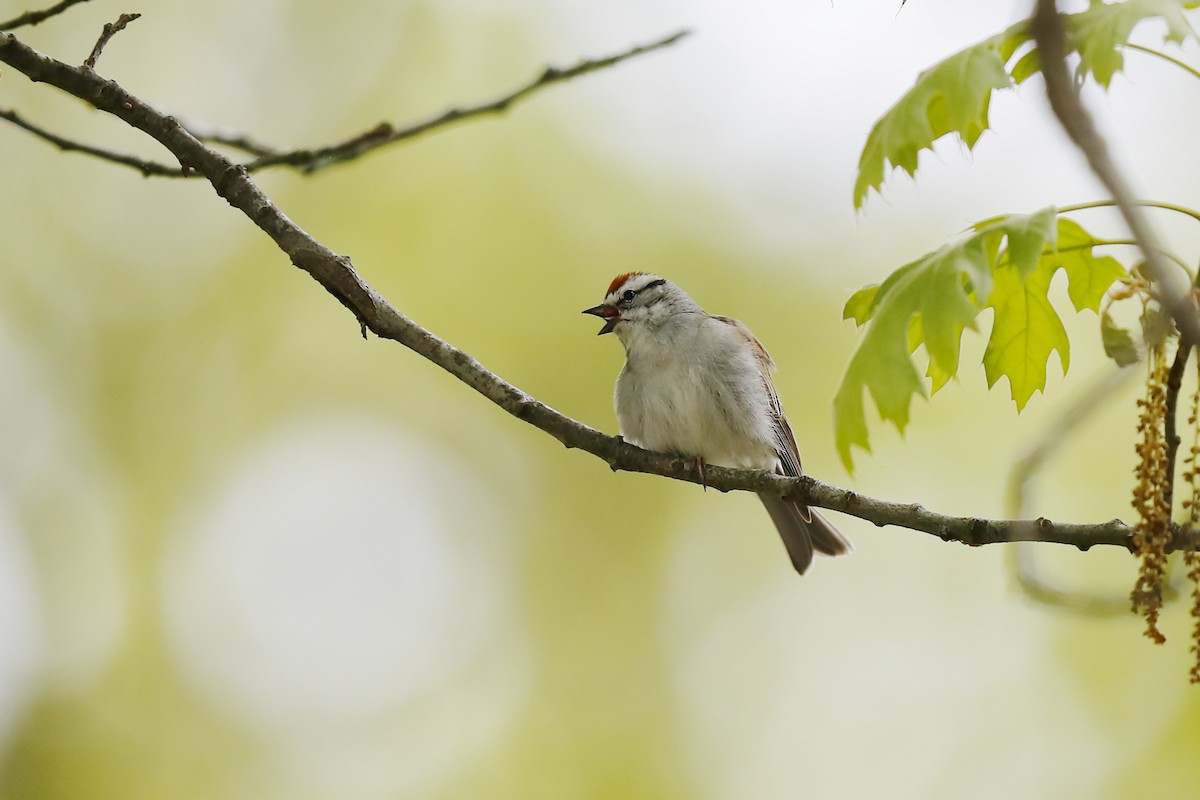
column 1173, row 292
column 35, row 17
column 312, row 160
column 145, row 166
column 385, row 133
column 233, row 139
column 1170, row 422
column 337, row 275
column 141, row 165
column 110, row 30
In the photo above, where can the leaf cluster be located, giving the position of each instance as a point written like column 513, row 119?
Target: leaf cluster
column 954, row 95
column 1005, row 264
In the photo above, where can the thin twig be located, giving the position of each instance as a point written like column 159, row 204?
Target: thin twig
column 1183, row 65
column 35, row 17
column 233, row 139
column 147, row 167
column 141, row 165
column 338, row 276
column 1143, row 203
column 1174, row 293
column 1170, row 423
column 1174, row 258
column 385, row 133
column 311, row 160
column 110, row 30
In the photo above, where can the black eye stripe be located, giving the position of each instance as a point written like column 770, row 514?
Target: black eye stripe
column 628, row 295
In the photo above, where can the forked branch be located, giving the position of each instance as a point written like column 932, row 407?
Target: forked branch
column 309, row 160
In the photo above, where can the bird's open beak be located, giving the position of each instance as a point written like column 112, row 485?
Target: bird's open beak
column 609, row 314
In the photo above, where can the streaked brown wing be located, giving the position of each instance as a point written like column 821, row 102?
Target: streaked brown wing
column 785, row 441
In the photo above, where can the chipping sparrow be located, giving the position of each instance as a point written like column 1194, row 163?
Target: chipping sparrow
column 700, row 386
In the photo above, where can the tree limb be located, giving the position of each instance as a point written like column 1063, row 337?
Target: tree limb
column 311, row 160
column 337, row 275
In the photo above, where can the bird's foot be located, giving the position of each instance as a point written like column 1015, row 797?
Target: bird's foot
column 698, row 463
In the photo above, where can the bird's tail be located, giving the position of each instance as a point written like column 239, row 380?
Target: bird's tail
column 804, row 531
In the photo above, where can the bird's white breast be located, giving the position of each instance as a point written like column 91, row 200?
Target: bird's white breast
column 696, row 389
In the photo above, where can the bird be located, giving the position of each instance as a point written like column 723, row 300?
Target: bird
column 699, row 385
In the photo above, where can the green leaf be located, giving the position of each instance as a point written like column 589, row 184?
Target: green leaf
column 1118, row 342
column 1025, row 331
column 1100, row 33
column 861, row 304
column 954, row 95
column 1026, row 67
column 929, row 301
column 881, row 365
column 1156, row 325
column 1089, row 277
column 1006, row 264
column 950, row 97
column 1028, row 237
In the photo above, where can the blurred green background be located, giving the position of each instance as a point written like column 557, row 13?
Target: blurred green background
column 245, row 554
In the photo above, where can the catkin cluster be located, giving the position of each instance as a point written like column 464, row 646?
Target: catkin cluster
column 1152, row 536
column 1151, row 496
column 1191, row 560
